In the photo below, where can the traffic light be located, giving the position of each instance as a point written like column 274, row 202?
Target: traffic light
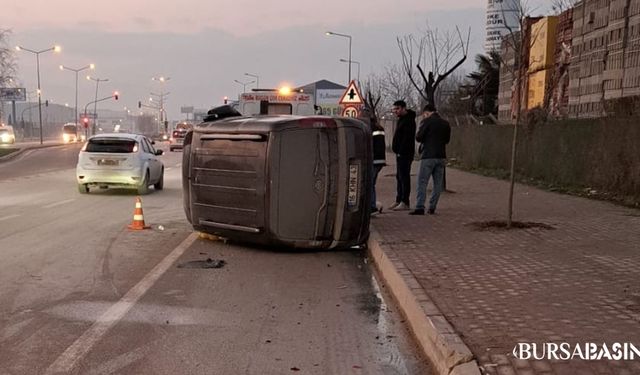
column 85, row 122
column 115, row 95
column 226, row 99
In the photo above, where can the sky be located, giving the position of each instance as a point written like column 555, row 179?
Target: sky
column 204, row 45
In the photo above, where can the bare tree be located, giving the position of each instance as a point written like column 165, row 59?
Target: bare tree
column 519, row 42
column 390, row 84
column 441, row 53
column 8, row 66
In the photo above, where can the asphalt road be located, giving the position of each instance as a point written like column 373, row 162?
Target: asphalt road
column 81, row 294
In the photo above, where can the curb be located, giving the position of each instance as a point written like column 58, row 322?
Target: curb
column 22, row 150
column 437, row 338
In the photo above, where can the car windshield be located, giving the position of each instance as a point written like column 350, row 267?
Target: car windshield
column 3, row 131
column 111, row 145
column 69, row 128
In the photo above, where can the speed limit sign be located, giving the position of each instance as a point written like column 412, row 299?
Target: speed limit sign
column 350, row 111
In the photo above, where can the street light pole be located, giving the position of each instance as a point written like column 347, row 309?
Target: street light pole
column 244, row 84
column 162, row 113
column 78, row 70
column 95, row 104
column 37, row 53
column 256, row 77
column 354, row 62
column 344, row 36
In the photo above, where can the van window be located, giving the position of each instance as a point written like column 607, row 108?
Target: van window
column 111, row 145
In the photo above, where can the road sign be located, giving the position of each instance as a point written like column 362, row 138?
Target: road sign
column 350, row 111
column 351, row 95
column 186, row 109
column 88, row 115
column 16, row 94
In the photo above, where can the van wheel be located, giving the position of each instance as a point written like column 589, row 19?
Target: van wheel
column 83, row 188
column 143, row 189
column 160, row 184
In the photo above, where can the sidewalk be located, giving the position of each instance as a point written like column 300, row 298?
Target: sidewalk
column 578, row 283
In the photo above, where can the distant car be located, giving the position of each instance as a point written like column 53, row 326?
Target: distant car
column 7, row 135
column 178, row 134
column 119, row 160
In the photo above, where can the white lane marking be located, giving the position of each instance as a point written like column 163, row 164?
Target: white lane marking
column 168, row 169
column 8, row 217
column 52, row 205
column 67, row 360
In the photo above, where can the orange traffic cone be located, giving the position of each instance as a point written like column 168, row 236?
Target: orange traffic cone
column 138, row 217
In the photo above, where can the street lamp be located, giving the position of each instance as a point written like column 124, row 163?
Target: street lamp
column 244, row 84
column 256, row 77
column 95, row 105
column 344, row 36
column 77, row 70
column 37, row 53
column 353, row 62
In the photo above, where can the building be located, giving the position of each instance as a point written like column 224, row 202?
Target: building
column 541, row 61
column 503, row 17
column 559, row 100
column 326, row 95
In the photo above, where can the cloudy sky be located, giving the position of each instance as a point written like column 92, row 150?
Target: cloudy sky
column 204, row 45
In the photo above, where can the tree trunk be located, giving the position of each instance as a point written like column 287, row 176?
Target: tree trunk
column 514, row 145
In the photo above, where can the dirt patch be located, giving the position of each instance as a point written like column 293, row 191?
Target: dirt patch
column 209, row 263
column 502, row 225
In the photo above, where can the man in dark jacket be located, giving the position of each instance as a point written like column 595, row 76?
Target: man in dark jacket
column 404, row 147
column 434, row 135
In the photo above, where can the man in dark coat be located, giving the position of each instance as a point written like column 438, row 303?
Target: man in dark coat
column 379, row 150
column 434, row 135
column 404, row 147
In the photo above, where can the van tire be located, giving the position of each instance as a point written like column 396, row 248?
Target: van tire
column 83, row 188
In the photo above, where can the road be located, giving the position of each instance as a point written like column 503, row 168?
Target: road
column 81, row 294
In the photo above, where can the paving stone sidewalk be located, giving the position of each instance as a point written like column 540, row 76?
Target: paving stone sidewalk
column 578, row 283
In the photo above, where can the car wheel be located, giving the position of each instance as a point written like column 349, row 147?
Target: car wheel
column 143, row 189
column 170, row 149
column 160, row 184
column 83, row 188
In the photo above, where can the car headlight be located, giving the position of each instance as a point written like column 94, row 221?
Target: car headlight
column 6, row 138
column 65, row 137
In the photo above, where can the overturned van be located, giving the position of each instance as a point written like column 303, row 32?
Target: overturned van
column 280, row 180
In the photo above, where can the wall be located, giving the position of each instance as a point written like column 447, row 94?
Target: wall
column 601, row 154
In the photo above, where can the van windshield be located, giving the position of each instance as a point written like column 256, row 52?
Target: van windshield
column 112, row 145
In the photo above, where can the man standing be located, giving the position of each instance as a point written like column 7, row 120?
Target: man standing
column 404, row 148
column 434, row 135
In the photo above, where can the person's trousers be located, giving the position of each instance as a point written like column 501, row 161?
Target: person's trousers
column 430, row 168
column 376, row 170
column 403, row 178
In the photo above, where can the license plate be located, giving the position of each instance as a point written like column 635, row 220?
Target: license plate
column 352, row 197
column 180, row 140
column 109, row 162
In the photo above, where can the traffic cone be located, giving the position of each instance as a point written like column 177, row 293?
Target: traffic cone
column 138, row 217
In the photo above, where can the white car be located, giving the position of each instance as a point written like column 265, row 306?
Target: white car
column 119, row 160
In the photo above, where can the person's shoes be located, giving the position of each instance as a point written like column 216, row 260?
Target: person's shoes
column 394, row 205
column 431, row 211
column 401, row 207
column 417, row 211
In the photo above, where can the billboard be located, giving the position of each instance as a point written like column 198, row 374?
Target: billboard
column 16, row 94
